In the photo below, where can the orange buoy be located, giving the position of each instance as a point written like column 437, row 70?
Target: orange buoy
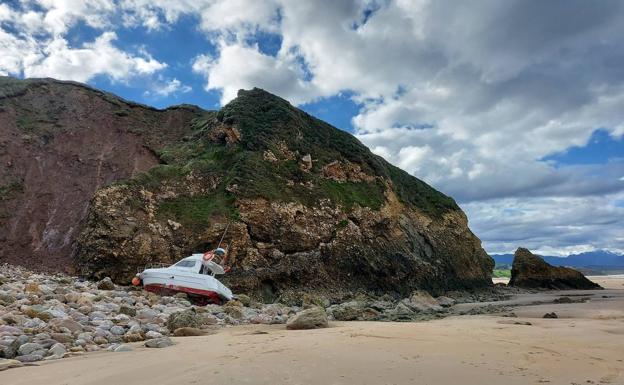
column 136, row 281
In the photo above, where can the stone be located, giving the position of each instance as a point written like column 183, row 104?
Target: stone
column 32, row 288
column 347, row 311
column 186, row 318
column 152, row 334
column 401, row 312
column 8, row 364
column 76, row 349
column 106, row 284
column 7, row 298
column 421, row 301
column 100, row 340
column 551, row 315
column 57, row 349
column 118, row 330
column 62, row 337
column 123, row 348
column 188, row 332
column 30, row 357
column 159, row 342
column 71, row 325
column 146, row 314
column 312, row 318
column 28, row 348
column 563, row 300
column 10, row 330
column 445, row 301
column 530, row 271
column 133, row 337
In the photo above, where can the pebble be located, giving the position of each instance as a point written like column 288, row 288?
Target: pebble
column 47, row 316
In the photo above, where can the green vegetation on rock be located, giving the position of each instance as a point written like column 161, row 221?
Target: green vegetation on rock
column 265, row 122
column 196, row 212
column 501, row 273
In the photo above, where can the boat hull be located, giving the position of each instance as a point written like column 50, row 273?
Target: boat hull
column 199, row 287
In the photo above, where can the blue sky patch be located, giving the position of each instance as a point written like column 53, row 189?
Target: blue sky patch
column 600, row 148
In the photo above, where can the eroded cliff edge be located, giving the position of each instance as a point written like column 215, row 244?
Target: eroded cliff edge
column 310, row 207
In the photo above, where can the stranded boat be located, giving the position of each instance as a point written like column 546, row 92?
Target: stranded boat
column 193, row 275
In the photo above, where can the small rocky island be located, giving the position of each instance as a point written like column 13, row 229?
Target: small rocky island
column 530, row 271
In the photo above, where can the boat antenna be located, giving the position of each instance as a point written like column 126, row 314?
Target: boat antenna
column 223, row 236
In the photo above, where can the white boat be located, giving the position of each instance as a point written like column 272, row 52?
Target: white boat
column 193, row 275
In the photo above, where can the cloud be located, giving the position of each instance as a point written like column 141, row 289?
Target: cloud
column 39, row 48
column 81, row 64
column 552, row 226
column 243, row 67
column 165, row 88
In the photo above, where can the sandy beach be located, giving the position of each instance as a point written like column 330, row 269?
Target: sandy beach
column 583, row 346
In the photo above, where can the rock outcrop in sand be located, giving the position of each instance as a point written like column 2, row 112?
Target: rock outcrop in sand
column 530, row 271
column 102, row 186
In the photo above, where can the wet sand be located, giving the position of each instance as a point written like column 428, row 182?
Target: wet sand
column 585, row 345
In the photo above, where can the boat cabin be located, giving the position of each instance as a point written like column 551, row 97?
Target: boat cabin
column 196, row 264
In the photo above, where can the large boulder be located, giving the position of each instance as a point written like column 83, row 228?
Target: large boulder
column 530, row 271
column 312, row 318
column 184, row 319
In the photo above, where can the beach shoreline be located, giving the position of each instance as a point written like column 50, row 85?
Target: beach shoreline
column 583, row 345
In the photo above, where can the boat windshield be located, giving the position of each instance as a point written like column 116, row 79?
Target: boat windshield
column 185, row 263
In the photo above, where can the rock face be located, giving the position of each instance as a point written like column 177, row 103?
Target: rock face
column 310, row 208
column 532, row 272
column 59, row 143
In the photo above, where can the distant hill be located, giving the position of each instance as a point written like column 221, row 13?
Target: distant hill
column 593, row 259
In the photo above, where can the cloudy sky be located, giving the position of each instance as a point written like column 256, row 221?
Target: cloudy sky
column 514, row 108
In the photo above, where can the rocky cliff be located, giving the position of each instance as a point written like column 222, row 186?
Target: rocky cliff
column 530, row 271
column 104, row 186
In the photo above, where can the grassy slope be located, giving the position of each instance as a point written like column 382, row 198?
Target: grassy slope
column 265, row 120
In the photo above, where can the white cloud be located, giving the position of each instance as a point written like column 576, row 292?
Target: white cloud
column 81, row 64
column 243, row 67
column 39, row 47
column 552, row 226
column 165, row 88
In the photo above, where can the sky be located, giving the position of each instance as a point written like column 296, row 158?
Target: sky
column 514, row 108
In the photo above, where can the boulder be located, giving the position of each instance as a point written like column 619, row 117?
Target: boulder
column 312, row 318
column 421, row 301
column 106, row 284
column 530, row 271
column 348, row 311
column 29, row 348
column 186, row 318
column 551, row 315
column 57, row 350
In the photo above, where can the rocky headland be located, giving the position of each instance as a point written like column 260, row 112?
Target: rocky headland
column 97, row 186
